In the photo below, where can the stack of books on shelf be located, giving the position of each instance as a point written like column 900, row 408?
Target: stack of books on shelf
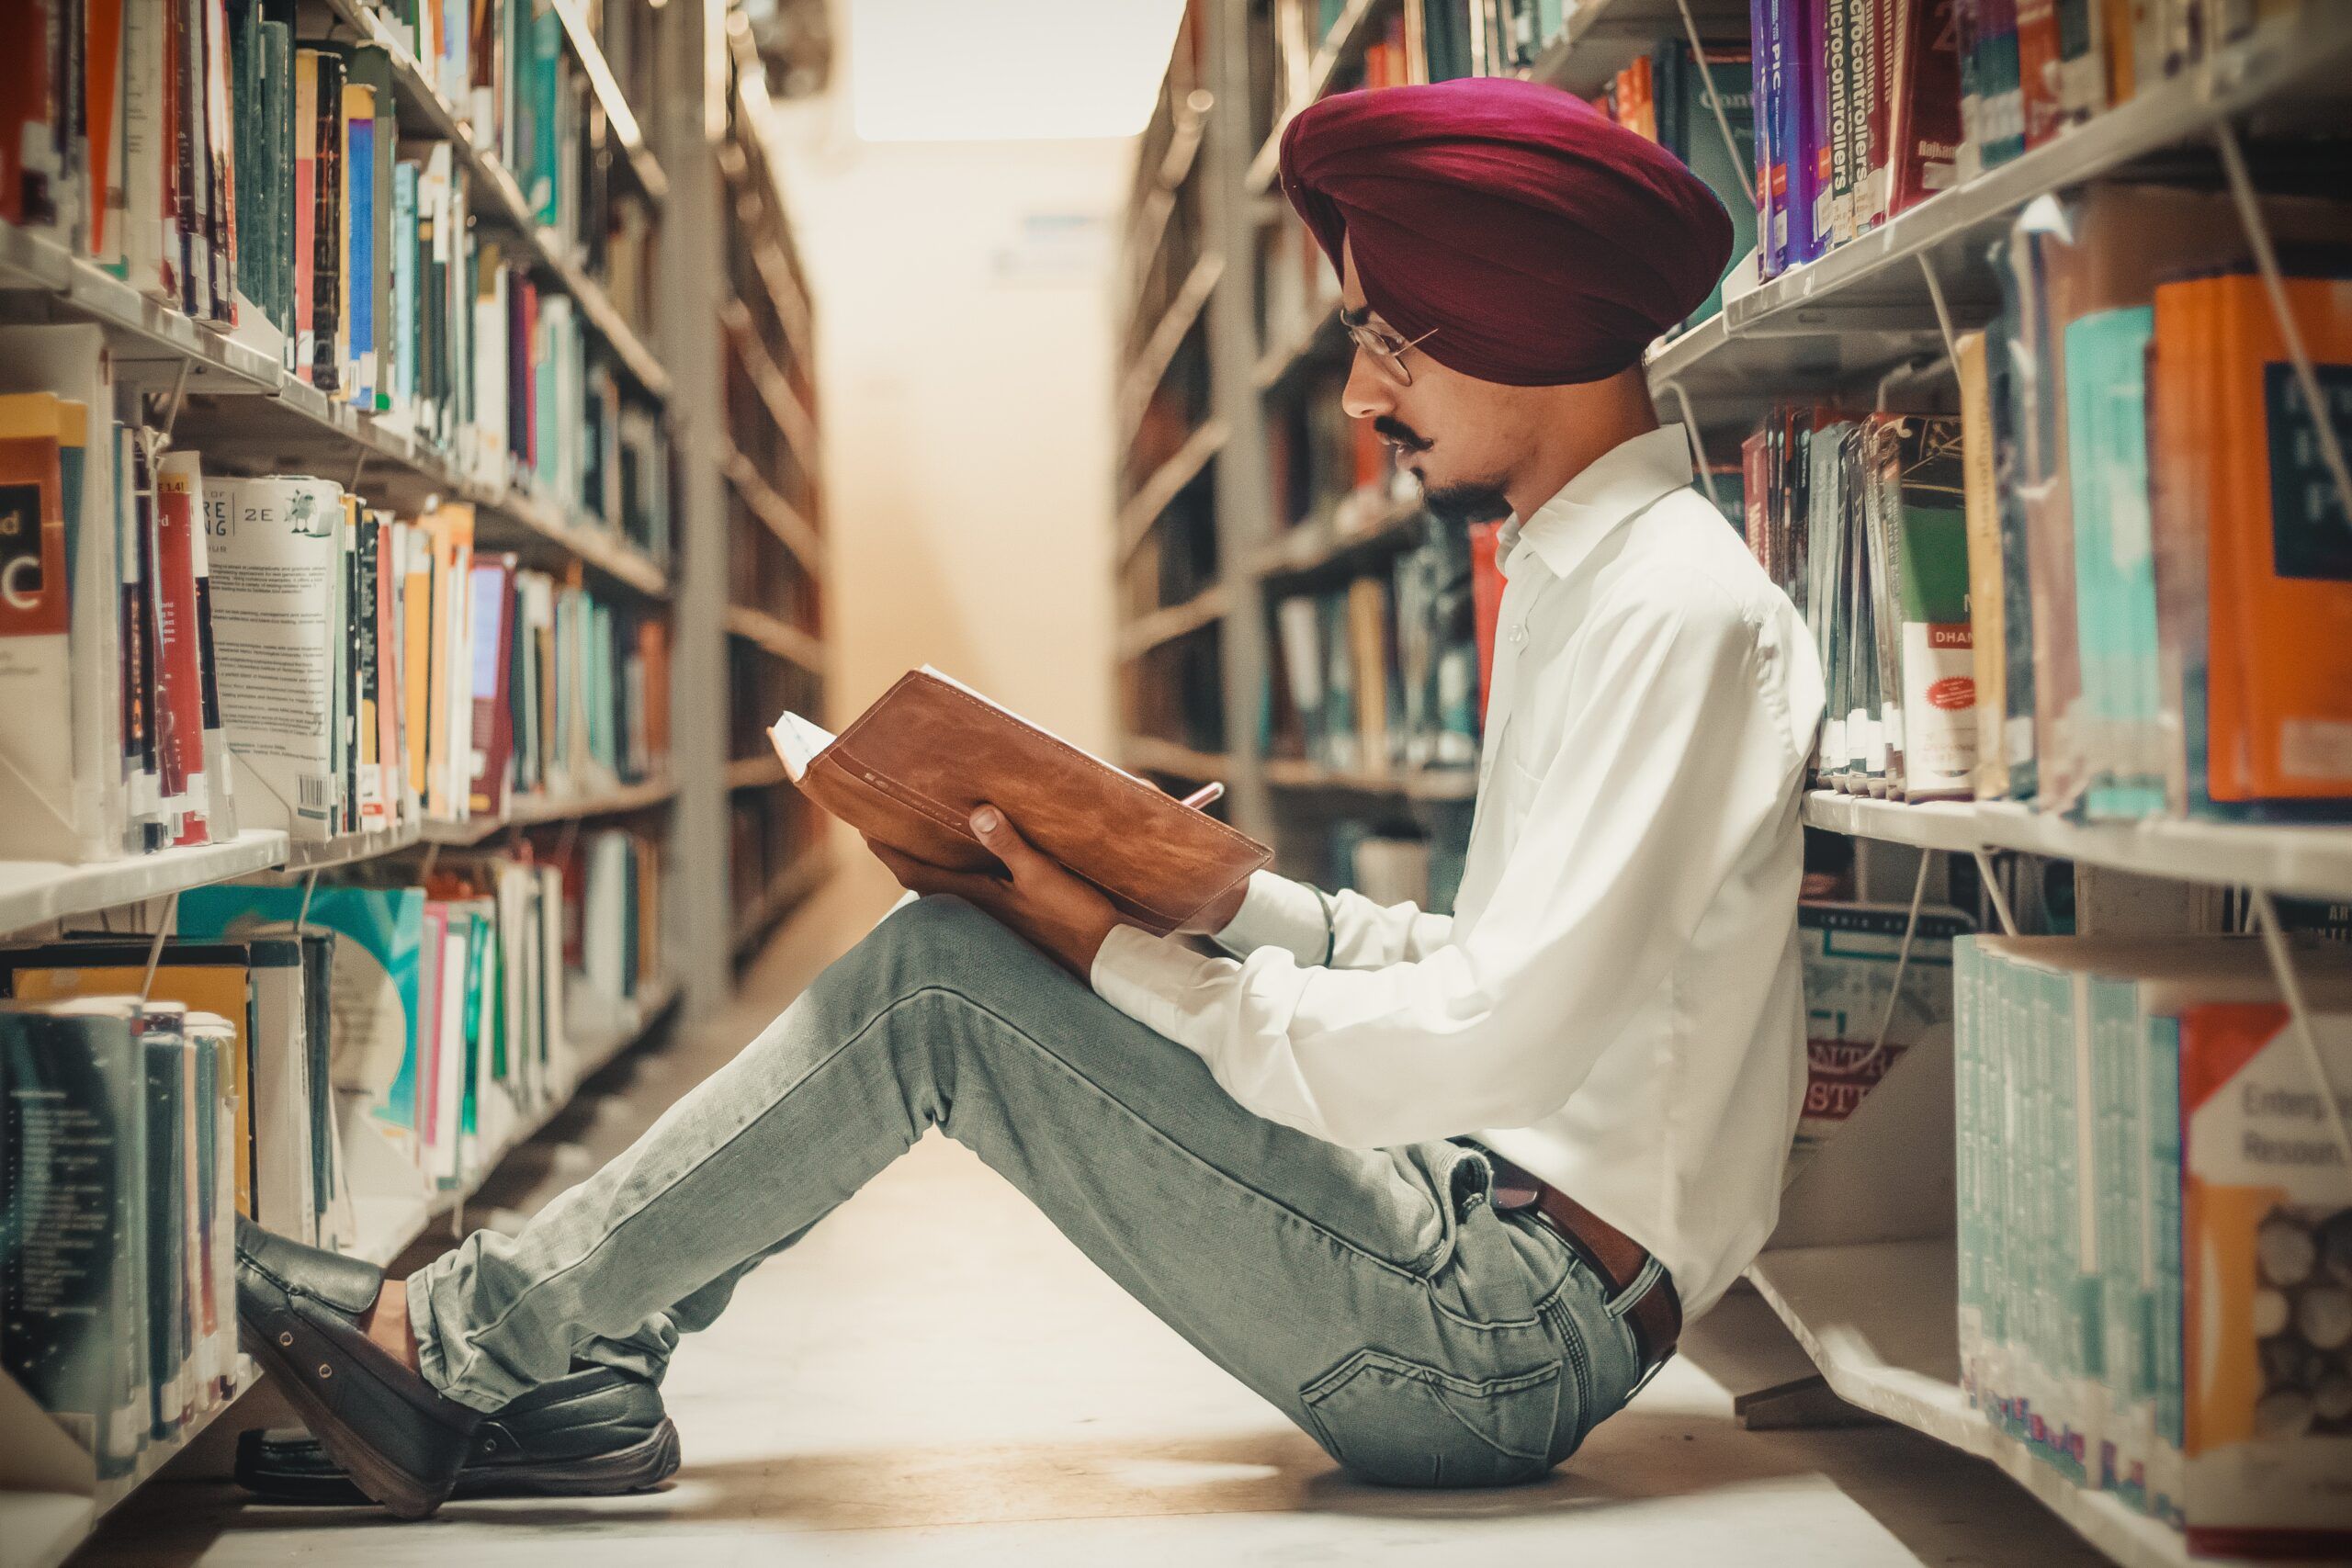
column 2114, row 584
column 1176, row 559
column 120, row 1149
column 1860, row 518
column 2156, row 1229
column 1859, row 111
column 776, row 587
column 254, row 180
column 311, row 1058
column 191, row 653
column 1870, row 107
column 1322, row 464
column 1175, row 692
column 1381, row 673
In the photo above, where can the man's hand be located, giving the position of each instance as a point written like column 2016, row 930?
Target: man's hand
column 1055, row 911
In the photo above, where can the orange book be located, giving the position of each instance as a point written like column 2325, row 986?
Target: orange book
column 2280, row 654
column 653, row 647
column 2038, row 63
column 417, row 652
column 37, row 784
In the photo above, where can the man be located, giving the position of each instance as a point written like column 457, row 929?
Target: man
column 1274, row 1150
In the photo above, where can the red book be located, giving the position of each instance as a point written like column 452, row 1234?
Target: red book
column 1926, row 120
column 1485, row 600
column 26, row 114
column 179, row 672
column 103, row 64
column 1756, row 481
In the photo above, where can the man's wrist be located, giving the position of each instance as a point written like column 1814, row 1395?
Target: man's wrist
column 1220, row 911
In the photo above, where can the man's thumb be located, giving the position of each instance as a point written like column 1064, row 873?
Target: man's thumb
column 1000, row 836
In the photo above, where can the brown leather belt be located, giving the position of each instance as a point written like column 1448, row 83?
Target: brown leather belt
column 1655, row 1315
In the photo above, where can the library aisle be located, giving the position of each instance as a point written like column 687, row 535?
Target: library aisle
column 935, row 1376
column 1889, row 885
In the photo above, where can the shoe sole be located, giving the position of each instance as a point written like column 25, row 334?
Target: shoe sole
column 636, row 1467
column 640, row 1467
column 384, row 1482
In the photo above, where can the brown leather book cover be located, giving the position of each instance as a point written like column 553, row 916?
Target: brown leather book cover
column 911, row 769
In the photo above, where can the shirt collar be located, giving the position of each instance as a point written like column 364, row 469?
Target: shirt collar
column 1612, row 487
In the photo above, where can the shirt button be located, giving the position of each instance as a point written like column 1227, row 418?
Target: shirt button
column 1519, row 633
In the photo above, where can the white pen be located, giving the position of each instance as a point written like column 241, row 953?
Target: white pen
column 1205, row 795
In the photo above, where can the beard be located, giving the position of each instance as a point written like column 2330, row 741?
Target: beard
column 1458, row 505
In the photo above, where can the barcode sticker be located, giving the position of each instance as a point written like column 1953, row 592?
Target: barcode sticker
column 315, row 796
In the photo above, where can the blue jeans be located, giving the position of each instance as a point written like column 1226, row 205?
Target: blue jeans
column 1374, row 1295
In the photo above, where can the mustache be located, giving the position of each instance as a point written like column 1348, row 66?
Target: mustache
column 1404, row 435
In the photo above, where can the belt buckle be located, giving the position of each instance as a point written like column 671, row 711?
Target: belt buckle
column 1513, row 1197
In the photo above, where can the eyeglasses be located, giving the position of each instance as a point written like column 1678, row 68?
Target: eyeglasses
column 1383, row 343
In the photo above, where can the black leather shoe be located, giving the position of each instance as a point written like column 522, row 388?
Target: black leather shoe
column 298, row 1313
column 593, row 1433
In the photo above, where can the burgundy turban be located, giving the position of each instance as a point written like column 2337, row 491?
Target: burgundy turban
column 1539, row 242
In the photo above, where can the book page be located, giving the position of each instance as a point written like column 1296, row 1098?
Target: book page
column 798, row 741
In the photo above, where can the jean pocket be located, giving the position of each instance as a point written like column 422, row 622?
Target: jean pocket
column 1400, row 1423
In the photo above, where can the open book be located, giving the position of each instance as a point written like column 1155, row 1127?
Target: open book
column 909, row 771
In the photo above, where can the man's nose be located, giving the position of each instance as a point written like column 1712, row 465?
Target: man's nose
column 1368, row 394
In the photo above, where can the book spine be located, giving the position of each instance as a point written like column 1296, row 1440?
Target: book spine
column 2005, row 102
column 2082, row 66
column 359, row 243
column 179, row 712
column 2038, row 70
column 305, row 214
column 218, row 168
column 327, row 236
column 219, row 802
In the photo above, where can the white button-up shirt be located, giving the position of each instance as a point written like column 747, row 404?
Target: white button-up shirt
column 1616, row 1002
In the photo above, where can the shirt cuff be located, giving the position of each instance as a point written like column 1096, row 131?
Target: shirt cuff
column 1150, row 978
column 1278, row 912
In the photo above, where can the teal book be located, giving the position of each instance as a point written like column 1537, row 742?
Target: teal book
column 2115, row 583
column 544, row 87
column 318, row 1026
column 401, row 377
column 278, row 108
column 475, row 927
column 204, row 1164
column 2167, row 1351
column 377, row 934
column 164, row 1052
column 1727, row 68
column 73, row 1134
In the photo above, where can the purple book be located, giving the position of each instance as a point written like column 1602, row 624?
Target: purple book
column 1807, row 82
column 1763, row 30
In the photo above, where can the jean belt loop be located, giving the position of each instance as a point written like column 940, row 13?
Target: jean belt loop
column 1622, row 1301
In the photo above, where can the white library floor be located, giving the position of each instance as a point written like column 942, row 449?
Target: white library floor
column 937, row 1377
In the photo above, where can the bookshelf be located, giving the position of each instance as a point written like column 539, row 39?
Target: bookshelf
column 649, row 113
column 773, row 604
column 1866, row 1287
